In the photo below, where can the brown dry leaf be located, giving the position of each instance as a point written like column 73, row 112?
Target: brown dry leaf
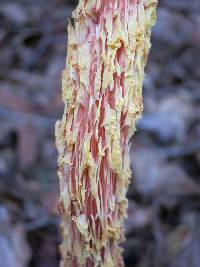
column 14, row 12
column 14, row 249
column 154, row 175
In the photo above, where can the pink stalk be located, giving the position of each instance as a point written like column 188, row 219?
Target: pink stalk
column 102, row 91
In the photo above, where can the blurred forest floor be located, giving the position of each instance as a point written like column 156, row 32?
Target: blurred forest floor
column 163, row 227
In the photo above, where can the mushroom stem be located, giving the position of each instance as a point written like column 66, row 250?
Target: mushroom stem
column 109, row 41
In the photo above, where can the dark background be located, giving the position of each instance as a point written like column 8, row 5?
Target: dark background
column 163, row 227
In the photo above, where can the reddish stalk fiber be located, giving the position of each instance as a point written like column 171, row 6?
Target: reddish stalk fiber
column 108, row 45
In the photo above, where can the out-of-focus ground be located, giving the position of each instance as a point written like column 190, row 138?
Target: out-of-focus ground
column 163, row 227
